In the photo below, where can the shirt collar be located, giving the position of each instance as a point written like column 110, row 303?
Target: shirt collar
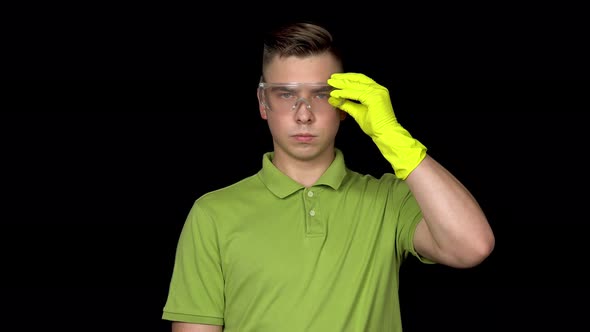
column 282, row 186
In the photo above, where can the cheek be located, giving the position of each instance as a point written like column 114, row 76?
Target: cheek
column 336, row 126
column 274, row 124
column 332, row 124
column 337, row 117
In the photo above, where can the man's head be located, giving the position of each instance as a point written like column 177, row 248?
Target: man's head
column 298, row 59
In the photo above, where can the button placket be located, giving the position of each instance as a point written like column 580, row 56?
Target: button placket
column 314, row 225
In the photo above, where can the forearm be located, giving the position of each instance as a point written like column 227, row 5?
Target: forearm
column 457, row 225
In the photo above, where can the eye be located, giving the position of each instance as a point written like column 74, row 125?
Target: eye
column 286, row 95
column 322, row 95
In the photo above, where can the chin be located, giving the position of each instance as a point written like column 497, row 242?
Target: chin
column 301, row 151
column 306, row 152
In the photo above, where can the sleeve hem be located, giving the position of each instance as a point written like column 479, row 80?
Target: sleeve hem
column 177, row 317
column 414, row 252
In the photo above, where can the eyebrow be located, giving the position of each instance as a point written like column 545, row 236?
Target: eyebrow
column 315, row 87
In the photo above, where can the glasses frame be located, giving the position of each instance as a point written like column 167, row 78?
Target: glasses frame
column 264, row 85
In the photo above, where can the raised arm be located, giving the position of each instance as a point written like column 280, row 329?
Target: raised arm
column 454, row 230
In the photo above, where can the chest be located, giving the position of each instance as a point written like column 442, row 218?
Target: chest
column 309, row 237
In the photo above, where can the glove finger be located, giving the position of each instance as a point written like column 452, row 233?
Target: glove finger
column 339, row 83
column 348, row 106
column 358, row 77
column 336, row 102
column 359, row 95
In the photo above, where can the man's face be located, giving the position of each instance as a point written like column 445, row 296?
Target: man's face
column 302, row 133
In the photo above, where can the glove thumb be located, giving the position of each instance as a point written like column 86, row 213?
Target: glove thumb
column 351, row 107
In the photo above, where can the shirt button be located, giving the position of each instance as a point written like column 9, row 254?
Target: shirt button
column 312, row 213
column 310, row 193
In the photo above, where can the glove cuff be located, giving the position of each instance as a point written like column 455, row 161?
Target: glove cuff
column 401, row 150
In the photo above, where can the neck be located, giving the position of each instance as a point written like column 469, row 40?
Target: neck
column 303, row 171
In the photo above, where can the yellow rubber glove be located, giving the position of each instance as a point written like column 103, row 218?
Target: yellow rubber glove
column 370, row 105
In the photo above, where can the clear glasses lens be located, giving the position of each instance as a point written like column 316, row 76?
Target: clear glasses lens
column 289, row 97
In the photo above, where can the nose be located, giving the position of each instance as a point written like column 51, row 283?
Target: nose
column 298, row 103
column 303, row 114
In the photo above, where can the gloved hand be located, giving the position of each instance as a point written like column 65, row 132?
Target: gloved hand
column 370, row 105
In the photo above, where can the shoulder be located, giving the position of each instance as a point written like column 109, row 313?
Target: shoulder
column 355, row 178
column 385, row 186
column 231, row 203
column 234, row 191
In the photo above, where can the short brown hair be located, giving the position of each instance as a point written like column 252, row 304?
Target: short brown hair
column 300, row 39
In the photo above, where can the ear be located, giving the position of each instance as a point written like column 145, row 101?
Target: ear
column 342, row 115
column 261, row 106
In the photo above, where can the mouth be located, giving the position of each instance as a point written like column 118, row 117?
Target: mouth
column 303, row 137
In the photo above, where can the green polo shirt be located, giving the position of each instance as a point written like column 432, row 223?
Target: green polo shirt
column 267, row 254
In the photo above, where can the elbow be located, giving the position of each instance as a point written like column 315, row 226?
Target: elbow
column 478, row 252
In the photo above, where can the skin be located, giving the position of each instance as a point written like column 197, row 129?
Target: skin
column 454, row 230
column 187, row 327
column 304, row 161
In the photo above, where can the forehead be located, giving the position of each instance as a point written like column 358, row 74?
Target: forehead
column 316, row 68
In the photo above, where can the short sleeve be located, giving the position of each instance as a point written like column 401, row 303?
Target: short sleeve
column 408, row 214
column 196, row 293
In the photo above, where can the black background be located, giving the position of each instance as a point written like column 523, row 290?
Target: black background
column 115, row 118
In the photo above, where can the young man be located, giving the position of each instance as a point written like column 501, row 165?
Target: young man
column 307, row 244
